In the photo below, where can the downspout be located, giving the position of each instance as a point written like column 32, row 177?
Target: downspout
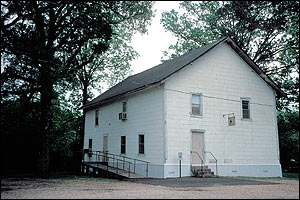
column 165, row 144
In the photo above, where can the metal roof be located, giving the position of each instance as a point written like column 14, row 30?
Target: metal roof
column 159, row 73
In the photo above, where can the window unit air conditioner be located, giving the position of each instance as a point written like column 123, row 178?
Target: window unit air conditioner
column 122, row 116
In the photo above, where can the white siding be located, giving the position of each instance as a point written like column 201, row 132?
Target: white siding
column 144, row 116
column 223, row 78
column 162, row 114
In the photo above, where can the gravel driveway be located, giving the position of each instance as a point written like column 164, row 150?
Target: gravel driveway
column 183, row 188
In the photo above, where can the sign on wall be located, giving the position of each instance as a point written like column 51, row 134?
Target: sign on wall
column 179, row 155
column 231, row 120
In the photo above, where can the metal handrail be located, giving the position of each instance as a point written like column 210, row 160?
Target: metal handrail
column 121, row 158
column 113, row 158
column 198, row 156
column 215, row 160
column 104, row 156
column 134, row 161
column 201, row 164
column 124, row 157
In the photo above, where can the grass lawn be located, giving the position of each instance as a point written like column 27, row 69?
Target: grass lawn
column 285, row 176
column 294, row 176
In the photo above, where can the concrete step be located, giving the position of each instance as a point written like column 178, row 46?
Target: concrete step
column 200, row 167
column 205, row 171
column 202, row 171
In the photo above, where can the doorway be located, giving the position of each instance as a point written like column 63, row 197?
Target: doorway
column 105, row 148
column 197, row 153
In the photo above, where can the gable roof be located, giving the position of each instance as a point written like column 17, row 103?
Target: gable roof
column 159, row 73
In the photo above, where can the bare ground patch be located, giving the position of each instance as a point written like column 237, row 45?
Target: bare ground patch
column 85, row 187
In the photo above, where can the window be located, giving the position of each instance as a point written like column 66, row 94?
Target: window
column 141, row 144
column 123, row 144
column 196, row 104
column 124, row 107
column 90, row 143
column 96, row 118
column 246, row 109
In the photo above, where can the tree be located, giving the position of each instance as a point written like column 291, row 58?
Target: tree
column 288, row 130
column 41, row 42
column 108, row 68
column 111, row 66
column 267, row 31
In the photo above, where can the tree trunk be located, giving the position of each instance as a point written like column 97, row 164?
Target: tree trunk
column 84, row 94
column 46, row 96
column 84, row 101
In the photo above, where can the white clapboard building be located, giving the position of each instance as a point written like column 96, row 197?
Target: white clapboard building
column 212, row 106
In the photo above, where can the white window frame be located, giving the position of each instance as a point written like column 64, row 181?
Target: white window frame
column 201, row 105
column 249, row 108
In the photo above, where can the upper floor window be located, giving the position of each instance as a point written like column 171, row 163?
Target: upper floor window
column 96, row 117
column 197, row 104
column 123, row 114
column 246, row 108
column 124, row 108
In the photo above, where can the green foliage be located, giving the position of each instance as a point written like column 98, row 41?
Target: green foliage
column 113, row 65
column 288, row 130
column 293, row 176
column 19, row 122
column 44, row 46
column 65, row 129
column 267, row 31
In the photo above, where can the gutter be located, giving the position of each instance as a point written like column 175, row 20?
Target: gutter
column 119, row 96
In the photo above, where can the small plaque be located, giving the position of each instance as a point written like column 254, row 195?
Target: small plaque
column 231, row 121
column 179, row 155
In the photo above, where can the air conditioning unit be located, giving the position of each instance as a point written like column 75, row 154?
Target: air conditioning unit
column 122, row 116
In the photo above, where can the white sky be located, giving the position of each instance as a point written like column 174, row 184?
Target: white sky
column 151, row 46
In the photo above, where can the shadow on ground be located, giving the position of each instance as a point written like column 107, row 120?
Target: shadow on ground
column 198, row 182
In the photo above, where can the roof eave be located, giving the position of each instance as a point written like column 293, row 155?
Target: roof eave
column 119, row 96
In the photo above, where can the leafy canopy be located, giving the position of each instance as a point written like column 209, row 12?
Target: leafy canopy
column 267, row 31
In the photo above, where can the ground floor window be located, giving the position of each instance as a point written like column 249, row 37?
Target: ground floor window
column 90, row 143
column 141, row 144
column 123, row 144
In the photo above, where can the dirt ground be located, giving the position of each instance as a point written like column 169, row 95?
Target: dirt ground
column 184, row 188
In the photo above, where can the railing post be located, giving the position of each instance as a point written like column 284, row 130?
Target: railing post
column 129, row 170
column 107, row 167
column 117, row 165
column 215, row 160
column 134, row 166
column 97, row 158
column 216, row 167
column 114, row 160
column 147, row 170
column 123, row 162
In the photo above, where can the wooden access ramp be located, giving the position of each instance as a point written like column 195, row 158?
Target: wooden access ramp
column 105, row 164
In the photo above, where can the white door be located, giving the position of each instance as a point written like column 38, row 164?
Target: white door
column 105, row 148
column 197, row 147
